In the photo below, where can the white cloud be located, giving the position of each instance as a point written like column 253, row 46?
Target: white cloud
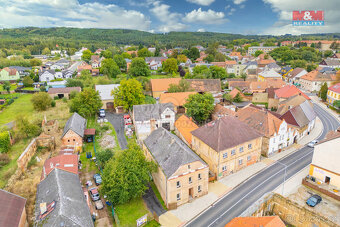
column 201, row 2
column 201, row 30
column 242, row 6
column 69, row 13
column 231, row 11
column 170, row 20
column 284, row 10
column 205, row 17
column 238, row 2
column 227, row 7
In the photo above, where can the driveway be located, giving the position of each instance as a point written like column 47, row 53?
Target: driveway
column 117, row 121
column 152, row 202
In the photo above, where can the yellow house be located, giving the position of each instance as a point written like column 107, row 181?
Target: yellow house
column 333, row 93
column 227, row 145
column 325, row 165
column 267, row 75
column 181, row 175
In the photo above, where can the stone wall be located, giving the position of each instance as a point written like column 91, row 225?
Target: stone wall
column 50, row 127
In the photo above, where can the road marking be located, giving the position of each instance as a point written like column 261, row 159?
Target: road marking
column 256, row 188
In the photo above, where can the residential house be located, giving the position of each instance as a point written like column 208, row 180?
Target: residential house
column 64, row 62
column 221, row 111
column 60, row 201
column 67, row 74
column 178, row 99
column 268, row 74
column 149, row 117
column 227, row 145
column 266, row 221
column 294, row 76
column 182, row 175
column 234, row 92
column 333, row 94
column 237, row 56
column 48, row 75
column 285, row 71
column 183, row 128
column 57, row 66
column 242, row 85
column 258, row 86
column 330, row 62
column 105, row 92
column 313, row 80
column 8, row 74
column 84, row 66
column 66, row 162
column 264, row 49
column 62, row 92
column 251, row 69
column 155, row 62
column 289, row 103
column 328, row 70
column 95, row 61
column 73, row 133
column 152, row 49
column 272, row 66
column 160, row 86
column 239, row 69
column 325, row 166
column 277, row 134
column 23, row 71
column 335, row 55
column 287, row 92
column 229, row 65
column 205, row 85
column 13, row 211
column 302, row 117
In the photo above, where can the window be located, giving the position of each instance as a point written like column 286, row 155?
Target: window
column 68, row 140
column 241, row 149
column 74, row 140
column 274, row 140
column 178, row 184
column 249, row 146
column 190, row 180
column 167, row 116
column 240, row 162
column 178, row 196
column 224, row 168
column 249, row 158
column 225, row 155
column 188, row 166
column 199, row 176
column 199, row 188
column 233, row 152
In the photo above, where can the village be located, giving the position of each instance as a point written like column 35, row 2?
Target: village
column 156, row 137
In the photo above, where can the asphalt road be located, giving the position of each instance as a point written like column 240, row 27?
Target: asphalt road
column 246, row 194
column 117, row 121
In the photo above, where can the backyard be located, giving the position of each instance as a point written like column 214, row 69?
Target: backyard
column 21, row 105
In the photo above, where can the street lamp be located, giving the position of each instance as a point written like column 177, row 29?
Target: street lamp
column 284, row 177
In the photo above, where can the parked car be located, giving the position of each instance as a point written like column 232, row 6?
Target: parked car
column 314, row 200
column 94, row 194
column 97, row 179
column 99, row 205
column 312, row 143
column 101, row 113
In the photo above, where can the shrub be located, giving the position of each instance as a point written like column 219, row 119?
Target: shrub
column 41, row 101
column 73, row 94
column 55, row 97
column 4, row 159
column 5, row 142
column 105, row 127
column 53, row 103
column 32, row 162
column 64, row 99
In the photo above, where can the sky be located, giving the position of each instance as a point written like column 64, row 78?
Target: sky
column 273, row 17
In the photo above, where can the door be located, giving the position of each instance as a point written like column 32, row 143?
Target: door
column 166, row 126
column 191, row 192
column 327, row 180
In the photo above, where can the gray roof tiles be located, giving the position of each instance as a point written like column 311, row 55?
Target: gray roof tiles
column 76, row 123
column 147, row 112
column 169, row 151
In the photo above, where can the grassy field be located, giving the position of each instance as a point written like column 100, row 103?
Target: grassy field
column 128, row 213
column 22, row 105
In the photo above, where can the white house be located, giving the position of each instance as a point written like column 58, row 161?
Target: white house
column 149, row 117
column 57, row 66
column 313, row 80
column 47, row 76
column 155, row 62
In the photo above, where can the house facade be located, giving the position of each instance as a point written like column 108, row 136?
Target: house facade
column 227, row 145
column 333, row 94
column 74, row 132
column 313, row 80
column 62, row 92
column 252, row 50
column 268, row 74
column 105, row 92
column 149, row 117
column 181, row 176
column 8, row 74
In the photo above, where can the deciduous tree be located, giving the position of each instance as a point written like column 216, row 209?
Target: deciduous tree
column 6, row 86
column 170, row 65
column 41, row 101
column 110, row 68
column 200, row 106
column 323, row 92
column 182, row 86
column 86, row 103
column 129, row 93
column 139, row 67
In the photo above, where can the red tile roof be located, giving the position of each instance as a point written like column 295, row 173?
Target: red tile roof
column 185, row 126
column 289, row 91
column 90, row 131
column 335, row 88
column 269, row 221
column 65, row 162
column 11, row 207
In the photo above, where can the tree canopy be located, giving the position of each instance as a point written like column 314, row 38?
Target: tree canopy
column 139, row 67
column 170, row 65
column 129, row 93
column 182, row 86
column 200, row 106
column 323, row 92
column 41, row 101
column 110, row 68
column 86, row 103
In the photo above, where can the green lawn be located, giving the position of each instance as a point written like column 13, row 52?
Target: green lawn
column 29, row 89
column 22, row 105
column 152, row 223
column 158, row 195
column 128, row 213
column 13, row 87
column 157, row 76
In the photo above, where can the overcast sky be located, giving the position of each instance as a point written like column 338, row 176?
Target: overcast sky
column 230, row 16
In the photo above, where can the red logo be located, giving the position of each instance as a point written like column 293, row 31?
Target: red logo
column 308, row 15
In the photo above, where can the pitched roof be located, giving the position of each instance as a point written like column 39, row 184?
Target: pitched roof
column 147, row 112
column 270, row 74
column 11, row 207
column 295, row 72
column 11, row 71
column 230, row 62
column 70, row 208
column 219, row 64
column 335, row 88
column 178, row 98
column 288, row 91
column 65, row 162
column 185, row 126
column 163, row 84
column 331, row 62
column 317, row 76
column 226, row 132
column 76, row 123
column 59, row 90
column 95, row 58
column 205, row 85
column 221, row 111
column 275, row 83
column 299, row 115
column 105, row 90
column 289, row 103
column 234, row 92
column 240, row 84
column 269, row 221
column 169, row 151
column 260, row 119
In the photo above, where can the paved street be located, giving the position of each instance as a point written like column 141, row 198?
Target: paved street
column 243, row 196
column 117, row 121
